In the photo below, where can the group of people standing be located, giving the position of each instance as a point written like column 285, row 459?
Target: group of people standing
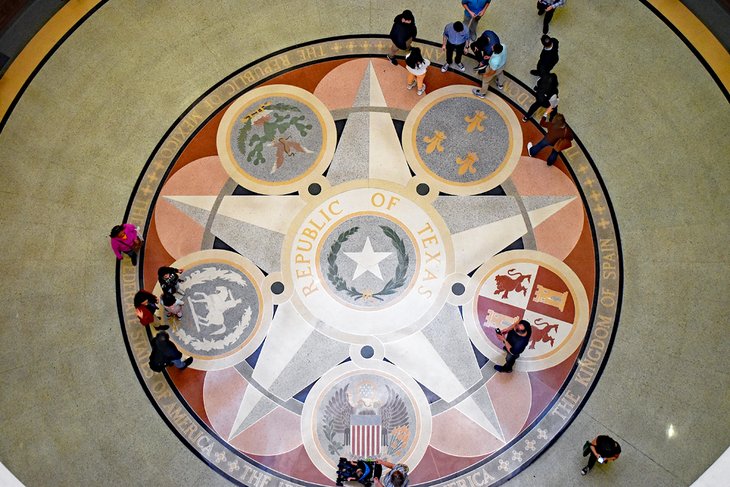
column 127, row 239
column 460, row 38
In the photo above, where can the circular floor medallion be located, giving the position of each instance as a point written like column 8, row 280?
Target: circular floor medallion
column 349, row 249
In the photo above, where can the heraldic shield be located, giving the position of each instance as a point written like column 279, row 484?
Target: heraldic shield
column 365, row 413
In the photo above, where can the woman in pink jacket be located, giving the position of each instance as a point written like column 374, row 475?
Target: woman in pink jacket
column 124, row 239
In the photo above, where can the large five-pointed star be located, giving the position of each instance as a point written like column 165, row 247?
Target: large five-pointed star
column 367, row 260
column 369, row 148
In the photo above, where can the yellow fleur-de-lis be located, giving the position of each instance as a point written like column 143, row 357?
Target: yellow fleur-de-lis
column 434, row 142
column 475, row 121
column 467, row 163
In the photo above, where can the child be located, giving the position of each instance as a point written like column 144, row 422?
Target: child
column 172, row 305
column 417, row 67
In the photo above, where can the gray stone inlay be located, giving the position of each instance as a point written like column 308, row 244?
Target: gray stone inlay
column 466, row 212
column 396, row 272
column 488, row 145
column 484, row 402
column 221, row 309
column 536, row 202
column 200, row 215
column 317, row 355
column 447, row 334
column 247, row 239
column 276, row 139
column 260, row 409
column 352, row 157
column 362, row 99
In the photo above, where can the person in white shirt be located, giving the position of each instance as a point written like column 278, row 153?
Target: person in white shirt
column 417, row 67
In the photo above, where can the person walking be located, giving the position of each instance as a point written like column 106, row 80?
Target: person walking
column 402, row 34
column 456, row 40
column 495, row 69
column 547, row 7
column 548, row 56
column 165, row 353
column 601, row 449
column 417, row 67
column 546, row 95
column 474, row 10
column 515, row 339
column 558, row 137
column 125, row 239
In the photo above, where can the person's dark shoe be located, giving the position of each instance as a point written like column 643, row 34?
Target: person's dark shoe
column 134, row 260
column 188, row 361
column 393, row 60
column 535, row 72
column 585, row 470
column 162, row 328
column 502, row 368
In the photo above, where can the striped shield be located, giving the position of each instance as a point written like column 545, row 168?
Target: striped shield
column 365, row 435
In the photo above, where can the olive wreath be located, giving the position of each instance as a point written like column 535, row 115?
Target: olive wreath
column 390, row 287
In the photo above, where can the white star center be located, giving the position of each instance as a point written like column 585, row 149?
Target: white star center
column 367, row 260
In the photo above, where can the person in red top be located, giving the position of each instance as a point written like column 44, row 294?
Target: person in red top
column 124, row 239
column 558, row 137
column 145, row 305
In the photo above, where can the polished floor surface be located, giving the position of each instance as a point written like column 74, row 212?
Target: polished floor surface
column 367, row 254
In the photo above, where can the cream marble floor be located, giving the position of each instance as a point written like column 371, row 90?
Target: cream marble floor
column 73, row 413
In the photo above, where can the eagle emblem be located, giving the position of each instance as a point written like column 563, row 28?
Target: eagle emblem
column 366, row 419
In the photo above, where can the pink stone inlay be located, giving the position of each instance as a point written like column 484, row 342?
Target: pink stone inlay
column 558, row 234
column 276, row 433
column 512, row 396
column 180, row 234
column 338, row 89
column 471, row 441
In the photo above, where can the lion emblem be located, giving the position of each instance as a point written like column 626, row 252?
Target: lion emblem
column 512, row 281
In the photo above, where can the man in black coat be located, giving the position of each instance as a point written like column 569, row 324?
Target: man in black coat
column 402, row 34
column 548, row 56
column 165, row 353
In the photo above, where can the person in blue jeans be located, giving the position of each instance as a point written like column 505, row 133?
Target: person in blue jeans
column 474, row 10
column 558, row 138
